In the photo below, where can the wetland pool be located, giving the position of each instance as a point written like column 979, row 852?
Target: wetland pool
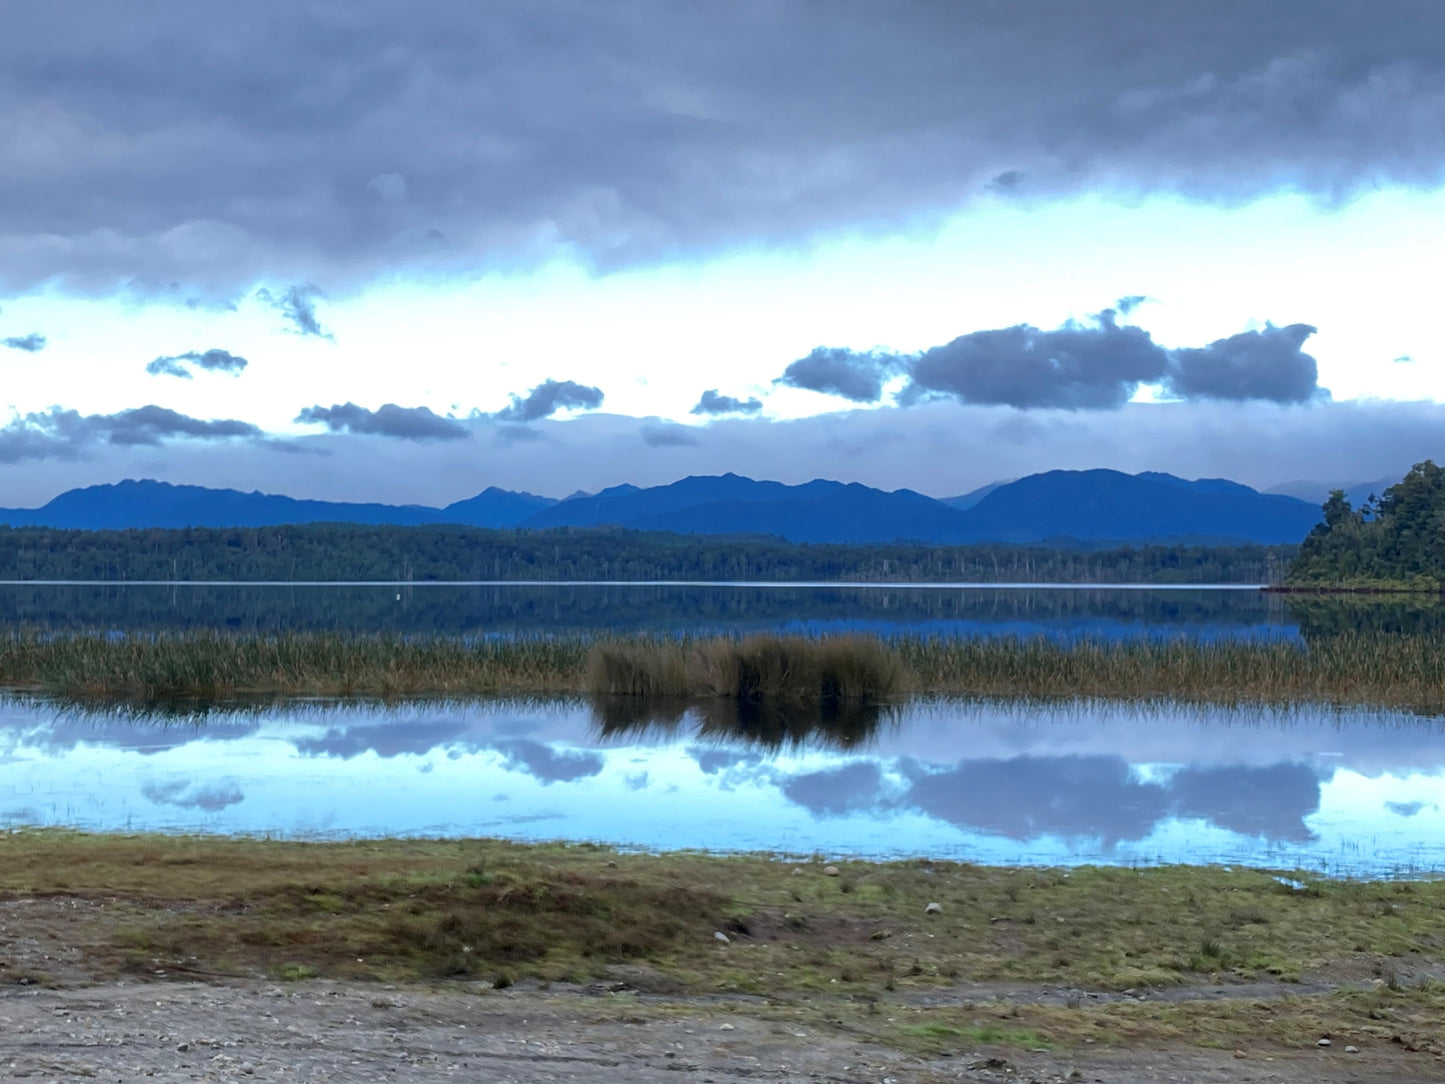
column 1343, row 792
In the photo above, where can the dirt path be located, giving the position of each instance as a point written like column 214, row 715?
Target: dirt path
column 161, row 1032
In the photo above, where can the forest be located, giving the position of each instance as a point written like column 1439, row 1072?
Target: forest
column 350, row 552
column 1394, row 542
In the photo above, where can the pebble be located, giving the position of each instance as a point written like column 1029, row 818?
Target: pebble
column 1352, row 1050
column 718, row 935
column 830, row 871
column 1323, row 1042
column 725, row 1027
column 933, row 909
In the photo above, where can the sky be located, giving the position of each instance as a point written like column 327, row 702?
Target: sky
column 368, row 251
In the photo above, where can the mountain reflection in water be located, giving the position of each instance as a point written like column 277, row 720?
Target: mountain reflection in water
column 1349, row 792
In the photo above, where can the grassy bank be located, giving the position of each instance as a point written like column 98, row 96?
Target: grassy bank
column 167, row 908
column 1388, row 670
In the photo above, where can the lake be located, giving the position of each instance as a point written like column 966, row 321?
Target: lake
column 558, row 609
column 1347, row 792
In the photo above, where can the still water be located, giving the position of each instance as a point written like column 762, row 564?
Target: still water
column 1355, row 793
column 1062, row 613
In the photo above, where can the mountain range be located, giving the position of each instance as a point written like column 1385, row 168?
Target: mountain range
column 1088, row 507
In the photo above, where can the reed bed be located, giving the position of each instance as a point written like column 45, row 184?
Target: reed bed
column 1394, row 670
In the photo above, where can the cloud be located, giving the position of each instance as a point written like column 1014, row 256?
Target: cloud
column 1077, row 366
column 547, row 398
column 1096, row 364
column 298, row 305
column 1127, row 305
column 58, row 433
column 212, row 361
column 1268, row 364
column 222, row 149
column 668, row 436
column 388, row 420
column 713, row 403
column 31, row 344
column 850, row 374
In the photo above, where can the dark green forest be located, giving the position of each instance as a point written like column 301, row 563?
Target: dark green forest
column 1395, row 542
column 341, row 552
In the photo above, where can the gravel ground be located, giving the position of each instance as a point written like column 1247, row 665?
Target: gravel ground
column 331, row 1032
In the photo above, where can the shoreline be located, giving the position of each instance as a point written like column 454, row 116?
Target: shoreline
column 1036, row 959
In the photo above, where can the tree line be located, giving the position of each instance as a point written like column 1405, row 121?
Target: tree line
column 343, row 551
column 1395, row 541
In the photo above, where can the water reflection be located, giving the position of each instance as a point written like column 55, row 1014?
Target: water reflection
column 773, row 725
column 1349, row 792
column 561, row 609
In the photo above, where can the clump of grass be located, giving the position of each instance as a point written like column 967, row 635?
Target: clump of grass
column 756, row 670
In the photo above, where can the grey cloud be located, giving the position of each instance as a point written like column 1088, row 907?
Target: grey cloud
column 854, row 375
column 212, row 361
column 387, row 420
column 668, row 436
column 1077, row 366
column 31, row 344
column 58, row 433
column 1126, row 305
column 1268, row 364
column 1093, row 365
column 547, row 398
column 298, row 305
column 287, row 143
column 713, row 403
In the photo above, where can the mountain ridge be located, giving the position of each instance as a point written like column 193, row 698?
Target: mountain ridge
column 1051, row 507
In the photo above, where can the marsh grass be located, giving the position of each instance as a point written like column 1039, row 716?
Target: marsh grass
column 1389, row 670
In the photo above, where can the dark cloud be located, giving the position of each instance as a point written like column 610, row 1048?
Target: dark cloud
column 1094, row 365
column 668, row 436
column 387, row 420
column 713, row 403
column 1268, row 364
column 58, row 433
column 291, row 141
column 31, row 344
column 1126, row 305
column 850, row 374
column 547, row 398
column 212, row 361
column 1090, row 366
column 298, row 305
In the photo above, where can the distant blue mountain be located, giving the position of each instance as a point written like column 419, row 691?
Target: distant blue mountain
column 964, row 501
column 1105, row 504
column 159, row 504
column 1090, row 507
column 1059, row 506
column 626, row 503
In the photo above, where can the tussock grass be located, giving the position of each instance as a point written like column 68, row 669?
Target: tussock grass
column 757, row 669
column 1389, row 670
